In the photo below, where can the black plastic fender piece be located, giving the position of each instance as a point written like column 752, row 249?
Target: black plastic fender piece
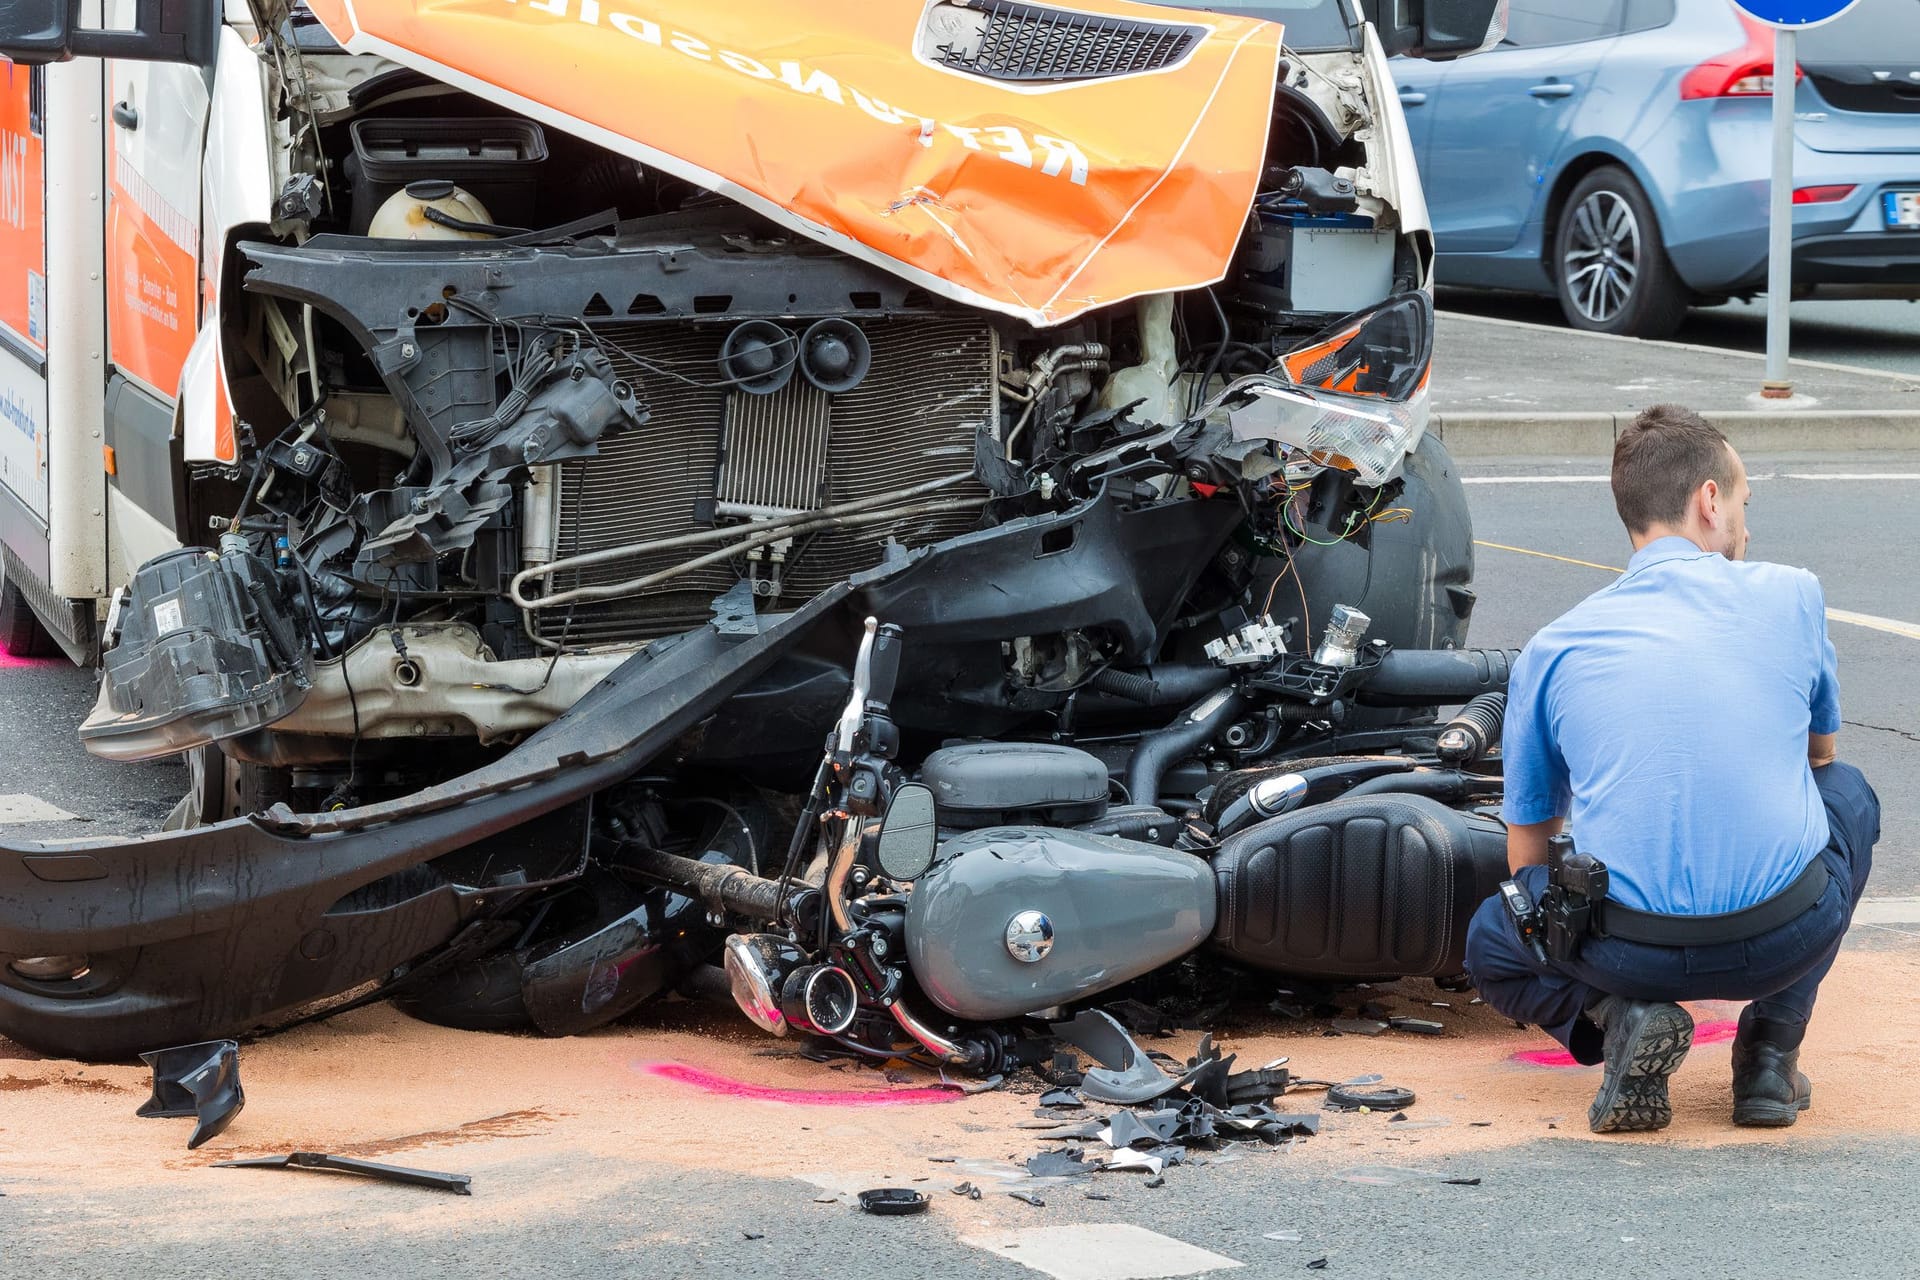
column 198, row 1080
column 195, row 934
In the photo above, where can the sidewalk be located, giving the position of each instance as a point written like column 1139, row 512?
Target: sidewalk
column 1506, row 389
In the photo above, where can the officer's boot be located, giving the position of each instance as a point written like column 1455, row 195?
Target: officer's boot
column 1645, row 1043
column 1769, row 1092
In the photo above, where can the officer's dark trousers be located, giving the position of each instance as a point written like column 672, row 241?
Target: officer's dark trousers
column 1779, row 971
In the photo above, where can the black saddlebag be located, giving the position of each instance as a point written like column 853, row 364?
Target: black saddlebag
column 1375, row 887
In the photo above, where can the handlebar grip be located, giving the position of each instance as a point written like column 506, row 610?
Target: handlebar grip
column 884, row 673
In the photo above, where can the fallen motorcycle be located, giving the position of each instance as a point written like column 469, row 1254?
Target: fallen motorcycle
column 999, row 884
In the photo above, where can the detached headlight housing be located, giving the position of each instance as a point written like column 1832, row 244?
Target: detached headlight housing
column 1353, row 397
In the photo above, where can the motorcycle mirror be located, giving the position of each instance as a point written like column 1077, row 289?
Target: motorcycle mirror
column 909, row 834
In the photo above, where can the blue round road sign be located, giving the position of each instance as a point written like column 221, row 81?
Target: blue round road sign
column 1794, row 13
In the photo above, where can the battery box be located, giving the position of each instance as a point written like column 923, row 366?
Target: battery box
column 1331, row 263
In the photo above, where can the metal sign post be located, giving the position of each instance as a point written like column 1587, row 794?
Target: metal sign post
column 1787, row 18
column 1786, row 65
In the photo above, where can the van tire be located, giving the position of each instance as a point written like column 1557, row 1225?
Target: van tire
column 1608, row 228
column 20, row 632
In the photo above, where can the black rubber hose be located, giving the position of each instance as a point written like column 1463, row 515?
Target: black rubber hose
column 1162, row 686
column 1436, row 677
column 1474, row 731
column 1445, row 784
column 1159, row 751
column 719, row 886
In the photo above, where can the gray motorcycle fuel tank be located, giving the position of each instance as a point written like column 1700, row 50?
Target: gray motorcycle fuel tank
column 1011, row 920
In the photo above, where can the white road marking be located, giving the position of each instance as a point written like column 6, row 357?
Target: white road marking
column 1100, row 1251
column 1885, row 911
column 23, row 808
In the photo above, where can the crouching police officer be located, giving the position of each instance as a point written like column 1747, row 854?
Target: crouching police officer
column 1684, row 719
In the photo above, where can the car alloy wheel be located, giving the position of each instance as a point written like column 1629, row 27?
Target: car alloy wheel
column 1601, row 264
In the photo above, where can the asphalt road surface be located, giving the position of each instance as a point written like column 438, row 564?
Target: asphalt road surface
column 1879, row 335
column 1807, row 1205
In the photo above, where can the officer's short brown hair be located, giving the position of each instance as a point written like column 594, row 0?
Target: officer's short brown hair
column 1660, row 461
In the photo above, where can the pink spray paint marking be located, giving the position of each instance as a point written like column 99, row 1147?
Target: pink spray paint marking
column 722, row 1086
column 1704, row 1033
column 8, row 660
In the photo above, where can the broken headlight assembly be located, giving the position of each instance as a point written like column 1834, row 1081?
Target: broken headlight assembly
column 1354, row 397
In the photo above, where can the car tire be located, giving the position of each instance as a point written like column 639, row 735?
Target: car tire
column 20, row 632
column 1610, row 264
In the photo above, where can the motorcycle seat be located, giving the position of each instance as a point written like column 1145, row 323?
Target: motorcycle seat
column 1378, row 886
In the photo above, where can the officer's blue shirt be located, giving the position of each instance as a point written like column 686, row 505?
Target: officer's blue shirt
column 1667, row 716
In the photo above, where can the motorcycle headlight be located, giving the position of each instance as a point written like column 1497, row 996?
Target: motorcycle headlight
column 1355, row 396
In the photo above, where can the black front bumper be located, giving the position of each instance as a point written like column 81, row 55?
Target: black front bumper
column 199, row 934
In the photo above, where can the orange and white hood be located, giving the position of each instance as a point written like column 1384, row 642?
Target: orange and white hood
column 869, row 128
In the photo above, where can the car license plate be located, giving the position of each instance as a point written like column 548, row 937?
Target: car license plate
column 1903, row 210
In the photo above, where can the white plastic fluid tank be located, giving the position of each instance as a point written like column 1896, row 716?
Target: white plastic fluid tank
column 404, row 215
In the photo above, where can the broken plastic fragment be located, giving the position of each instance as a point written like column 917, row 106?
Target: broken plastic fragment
column 1420, row 1026
column 1057, row 1164
column 1284, row 1237
column 1318, row 1264
column 1357, row 1097
column 1156, row 1181
column 893, row 1201
column 199, row 1080
column 1125, row 1161
column 1462, row 1182
column 1359, row 1026
column 1125, row 1075
column 1061, row 1098
column 1027, row 1197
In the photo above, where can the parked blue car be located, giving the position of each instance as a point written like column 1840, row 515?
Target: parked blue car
column 1616, row 153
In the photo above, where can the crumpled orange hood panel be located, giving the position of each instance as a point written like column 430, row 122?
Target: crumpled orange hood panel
column 1038, row 201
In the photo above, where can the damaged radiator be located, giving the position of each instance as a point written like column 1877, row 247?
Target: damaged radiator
column 708, row 456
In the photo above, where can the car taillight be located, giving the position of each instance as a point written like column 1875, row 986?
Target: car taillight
column 1822, row 195
column 1746, row 72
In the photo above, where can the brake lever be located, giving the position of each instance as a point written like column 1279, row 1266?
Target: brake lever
column 856, row 710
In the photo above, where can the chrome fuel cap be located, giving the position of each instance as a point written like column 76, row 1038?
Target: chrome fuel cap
column 1029, row 937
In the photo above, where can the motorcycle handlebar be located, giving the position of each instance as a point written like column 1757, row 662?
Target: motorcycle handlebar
column 1436, row 677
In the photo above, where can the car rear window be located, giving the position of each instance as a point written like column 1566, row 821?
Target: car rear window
column 1874, row 33
column 1312, row 25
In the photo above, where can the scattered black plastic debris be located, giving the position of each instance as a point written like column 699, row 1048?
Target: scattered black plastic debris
column 319, row 1161
column 199, row 1080
column 1126, row 1075
column 1375, row 1010
column 1096, row 1195
column 1461, row 1182
column 1065, row 1098
column 1141, row 1018
column 1359, row 1026
column 1398, row 1117
column 1157, row 1180
column 1318, row 1264
column 753, row 1235
column 1063, row 1070
column 1420, row 1026
column 1374, row 1097
column 1481, row 1124
column 943, row 1159
column 1027, row 1197
column 966, row 1189
column 893, row 1201
column 1058, row 1164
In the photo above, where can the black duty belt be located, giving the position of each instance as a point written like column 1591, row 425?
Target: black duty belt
column 1729, row 926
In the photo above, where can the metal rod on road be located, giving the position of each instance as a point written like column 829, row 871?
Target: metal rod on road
column 1780, row 232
